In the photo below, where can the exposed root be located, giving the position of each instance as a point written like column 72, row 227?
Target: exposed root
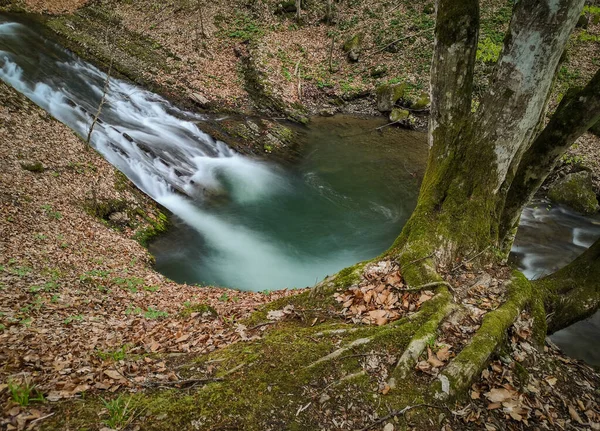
column 423, row 336
column 459, row 374
column 340, row 351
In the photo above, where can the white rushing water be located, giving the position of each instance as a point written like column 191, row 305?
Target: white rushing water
column 159, row 147
column 163, row 151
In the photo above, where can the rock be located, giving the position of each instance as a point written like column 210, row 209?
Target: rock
column 200, row 100
column 379, row 71
column 398, row 114
column 388, row 95
column 575, row 191
column 327, row 112
column 353, row 47
column 583, row 21
column 119, row 218
column 422, row 102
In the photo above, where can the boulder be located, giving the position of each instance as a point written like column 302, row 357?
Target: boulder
column 575, row 191
column 388, row 95
column 422, row 102
column 353, row 46
column 398, row 114
column 200, row 100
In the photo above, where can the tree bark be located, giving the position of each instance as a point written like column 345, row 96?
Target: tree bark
column 473, row 158
column 573, row 293
column 577, row 112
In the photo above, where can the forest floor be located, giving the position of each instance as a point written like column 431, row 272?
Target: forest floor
column 83, row 314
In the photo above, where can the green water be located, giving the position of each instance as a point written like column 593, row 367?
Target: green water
column 346, row 201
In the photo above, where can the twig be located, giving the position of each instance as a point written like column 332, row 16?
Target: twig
column 399, row 40
column 400, row 413
column 104, row 91
column 331, row 54
column 412, row 262
column 385, row 125
column 469, row 260
column 182, row 383
column 260, row 325
column 42, row 418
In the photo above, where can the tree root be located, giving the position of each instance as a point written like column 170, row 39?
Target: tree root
column 340, row 351
column 460, row 373
column 423, row 336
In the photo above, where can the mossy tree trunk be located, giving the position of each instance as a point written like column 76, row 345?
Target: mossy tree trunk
column 475, row 156
column 573, row 293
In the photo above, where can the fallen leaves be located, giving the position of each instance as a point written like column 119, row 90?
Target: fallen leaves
column 381, row 296
column 534, row 397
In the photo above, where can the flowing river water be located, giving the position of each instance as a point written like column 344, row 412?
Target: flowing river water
column 249, row 224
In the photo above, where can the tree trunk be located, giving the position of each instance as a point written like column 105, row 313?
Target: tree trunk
column 473, row 158
column 573, row 293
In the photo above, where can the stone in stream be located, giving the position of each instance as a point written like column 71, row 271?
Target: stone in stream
column 388, row 95
column 575, row 191
column 398, row 114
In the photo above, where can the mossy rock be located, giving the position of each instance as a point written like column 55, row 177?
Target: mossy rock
column 423, row 101
column 353, row 47
column 379, row 71
column 399, row 114
column 575, row 191
column 388, row 95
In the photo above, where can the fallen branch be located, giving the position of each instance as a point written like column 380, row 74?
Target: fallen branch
column 41, row 419
column 386, row 125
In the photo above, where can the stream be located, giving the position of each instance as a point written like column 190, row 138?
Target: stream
column 254, row 225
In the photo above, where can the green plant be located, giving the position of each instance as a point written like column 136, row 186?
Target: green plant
column 153, row 313
column 46, row 287
column 151, row 288
column 50, row 212
column 22, row 271
column 75, row 317
column 116, row 355
column 119, row 413
column 24, row 393
column 132, row 283
column 488, row 51
column 189, row 308
column 224, row 297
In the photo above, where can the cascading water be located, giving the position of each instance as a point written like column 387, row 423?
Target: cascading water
column 254, row 225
